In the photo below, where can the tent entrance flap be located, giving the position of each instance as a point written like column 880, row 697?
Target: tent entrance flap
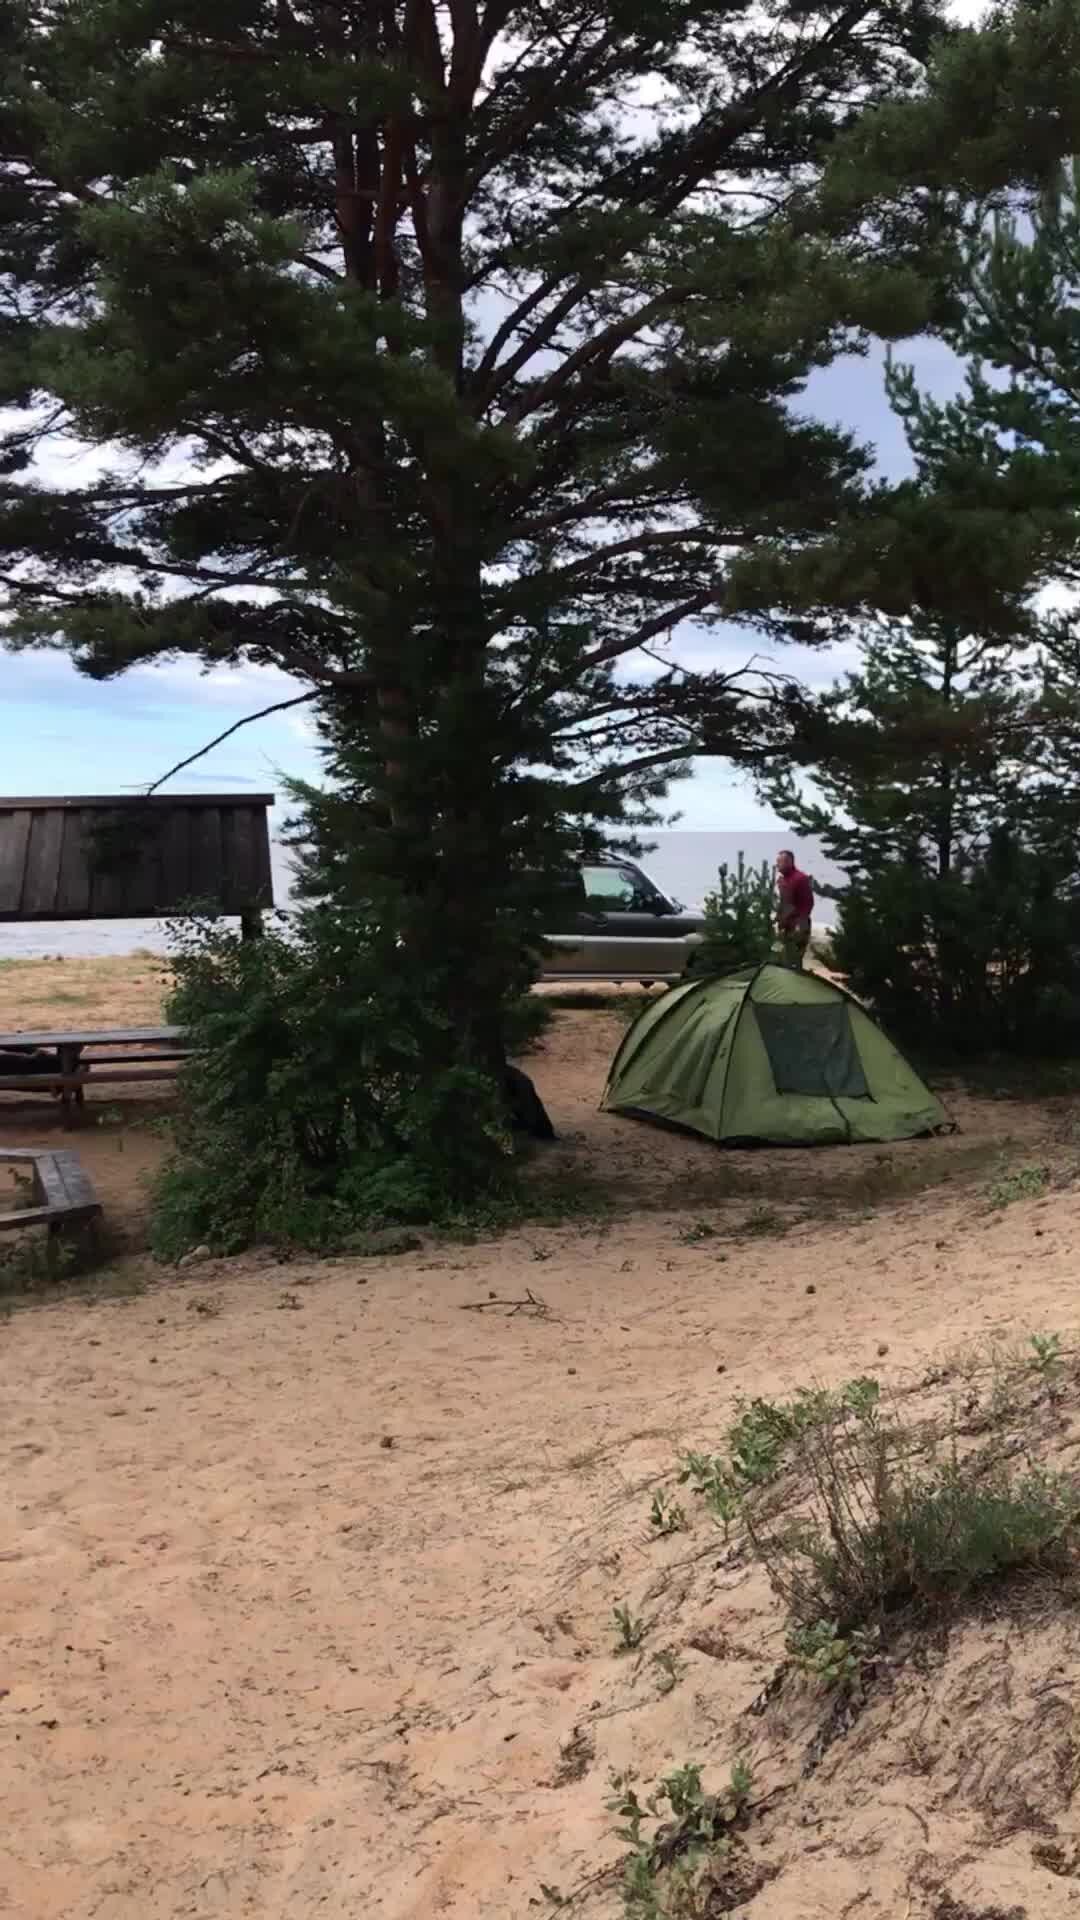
column 812, row 1050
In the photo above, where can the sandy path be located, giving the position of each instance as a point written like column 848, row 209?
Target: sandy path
column 261, row 1661
column 307, row 1574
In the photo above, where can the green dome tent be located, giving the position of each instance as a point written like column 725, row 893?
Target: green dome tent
column 768, row 1054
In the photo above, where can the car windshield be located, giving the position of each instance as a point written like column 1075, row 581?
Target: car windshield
column 612, row 889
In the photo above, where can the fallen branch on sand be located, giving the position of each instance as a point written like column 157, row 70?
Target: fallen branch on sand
column 530, row 1304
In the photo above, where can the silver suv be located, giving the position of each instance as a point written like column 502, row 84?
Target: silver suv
column 620, row 926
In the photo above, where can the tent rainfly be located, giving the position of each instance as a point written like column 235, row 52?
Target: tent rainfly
column 768, row 1054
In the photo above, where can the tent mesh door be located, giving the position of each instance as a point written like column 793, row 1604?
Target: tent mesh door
column 812, row 1051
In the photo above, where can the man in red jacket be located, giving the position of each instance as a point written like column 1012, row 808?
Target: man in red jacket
column 795, row 911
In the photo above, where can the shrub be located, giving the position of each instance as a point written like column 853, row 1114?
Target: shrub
column 883, row 1531
column 310, row 1103
column 981, row 959
column 525, row 1023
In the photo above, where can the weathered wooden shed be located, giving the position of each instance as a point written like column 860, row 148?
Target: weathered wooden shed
column 128, row 857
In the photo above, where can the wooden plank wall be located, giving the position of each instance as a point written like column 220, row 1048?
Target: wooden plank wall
column 128, row 859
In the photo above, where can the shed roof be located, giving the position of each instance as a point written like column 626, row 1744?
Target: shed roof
column 129, row 856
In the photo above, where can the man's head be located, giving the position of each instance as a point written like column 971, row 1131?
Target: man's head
column 785, row 861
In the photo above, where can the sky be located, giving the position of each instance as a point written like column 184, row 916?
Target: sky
column 66, row 734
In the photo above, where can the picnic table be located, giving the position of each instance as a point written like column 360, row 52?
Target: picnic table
column 145, row 1052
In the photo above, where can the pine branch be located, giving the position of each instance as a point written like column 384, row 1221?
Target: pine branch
column 611, row 502
column 626, row 769
column 279, row 706
column 660, row 623
column 594, row 351
column 679, row 175
column 648, row 539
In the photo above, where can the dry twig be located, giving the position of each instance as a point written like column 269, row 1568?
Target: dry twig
column 531, row 1304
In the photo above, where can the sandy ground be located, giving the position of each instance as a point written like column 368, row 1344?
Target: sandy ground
column 308, row 1570
column 121, row 1137
column 120, row 991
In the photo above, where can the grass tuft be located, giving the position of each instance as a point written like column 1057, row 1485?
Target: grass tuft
column 1026, row 1183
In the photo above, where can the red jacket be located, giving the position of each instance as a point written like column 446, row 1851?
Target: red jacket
column 796, row 897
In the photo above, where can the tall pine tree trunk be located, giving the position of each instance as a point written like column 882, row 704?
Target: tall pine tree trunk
column 436, row 763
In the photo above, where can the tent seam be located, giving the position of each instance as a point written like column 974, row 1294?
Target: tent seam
column 758, row 970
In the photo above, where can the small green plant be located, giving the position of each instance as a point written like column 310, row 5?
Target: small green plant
column 759, row 1435
column 666, row 1515
column 762, row 1222
column 698, row 1470
column 693, row 1236
column 627, row 1807
column 757, row 1440
column 741, row 1785
column 724, row 1502
column 677, row 1839
column 1046, row 1354
column 684, row 1793
column 669, row 1669
column 630, row 1630
column 709, row 1475
column 824, row 1655
column 861, row 1397
column 1027, row 1183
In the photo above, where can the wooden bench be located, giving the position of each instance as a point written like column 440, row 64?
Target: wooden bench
column 63, row 1191
column 149, row 1053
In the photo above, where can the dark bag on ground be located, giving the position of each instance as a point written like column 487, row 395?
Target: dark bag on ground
column 23, row 1061
column 527, row 1114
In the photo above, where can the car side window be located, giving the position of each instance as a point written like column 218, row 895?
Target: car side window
column 617, row 890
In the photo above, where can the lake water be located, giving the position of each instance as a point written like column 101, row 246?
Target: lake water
column 684, row 864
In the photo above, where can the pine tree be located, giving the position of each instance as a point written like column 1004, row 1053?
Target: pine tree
column 931, row 790
column 1015, row 325
column 442, row 356
column 946, row 765
column 740, row 919
column 914, row 754
column 998, row 935
column 978, row 154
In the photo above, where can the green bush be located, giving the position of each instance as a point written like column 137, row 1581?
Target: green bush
column 525, row 1023
column 984, row 959
column 309, row 1104
column 883, row 1532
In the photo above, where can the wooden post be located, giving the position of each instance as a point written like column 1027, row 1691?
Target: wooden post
column 251, row 925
